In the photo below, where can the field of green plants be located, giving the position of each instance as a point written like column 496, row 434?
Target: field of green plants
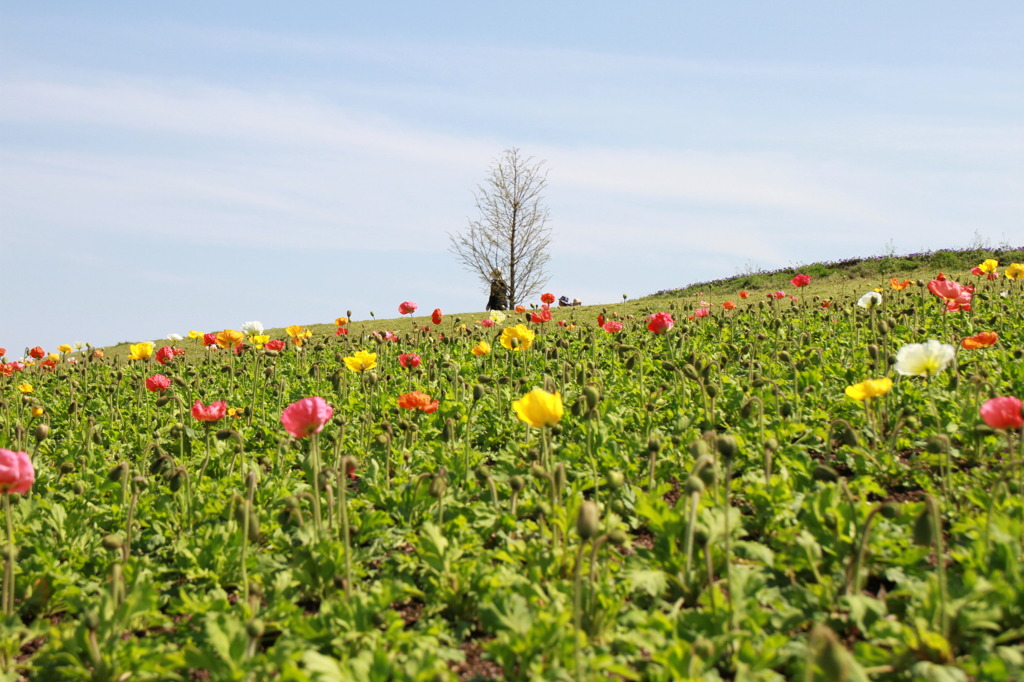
column 775, row 484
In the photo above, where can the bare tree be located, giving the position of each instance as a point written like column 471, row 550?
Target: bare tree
column 511, row 236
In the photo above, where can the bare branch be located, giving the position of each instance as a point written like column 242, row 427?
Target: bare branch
column 511, row 235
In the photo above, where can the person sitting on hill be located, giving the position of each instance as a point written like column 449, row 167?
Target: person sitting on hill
column 498, row 298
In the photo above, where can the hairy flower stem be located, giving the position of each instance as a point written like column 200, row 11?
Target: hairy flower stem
column 346, row 538
column 691, row 527
column 577, row 600
column 206, row 460
column 8, row 591
column 853, row 578
column 314, row 466
column 940, row 565
column 727, row 485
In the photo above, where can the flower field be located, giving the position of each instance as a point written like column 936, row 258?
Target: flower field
column 786, row 483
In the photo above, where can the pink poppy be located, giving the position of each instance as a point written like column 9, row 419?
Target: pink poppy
column 16, row 472
column 777, row 295
column 1003, row 413
column 955, row 295
column 701, row 312
column 165, row 354
column 612, row 327
column 407, row 307
column 659, row 323
column 977, row 272
column 210, row 339
column 409, row 360
column 800, row 280
column 209, row 413
column 306, row 417
column 487, row 322
column 158, row 383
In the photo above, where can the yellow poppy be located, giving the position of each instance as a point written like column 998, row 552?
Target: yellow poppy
column 1015, row 271
column 259, row 340
column 25, row 387
column 989, row 265
column 361, row 361
column 482, row 348
column 64, row 348
column 539, row 408
column 229, row 338
column 140, row 351
column 519, row 337
column 196, row 335
column 871, row 388
column 37, row 412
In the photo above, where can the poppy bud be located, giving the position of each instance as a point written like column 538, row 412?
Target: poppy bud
column 617, row 537
column 890, row 509
column 825, row 474
column 73, row 407
column 691, row 372
column 91, row 620
column 631, row 362
column 588, row 520
column 784, row 356
column 116, row 472
column 700, row 536
column 438, row 484
column 849, row 436
column 591, row 394
column 831, row 656
column 727, row 446
column 448, row 430
column 578, row 407
column 141, row 482
column 924, row 526
column 614, row 479
column 771, row 444
column 560, row 476
column 653, row 445
column 517, row 483
column 176, row 479
column 537, row 471
column 42, row 432
column 694, row 486
column 254, row 628
column 711, row 390
column 112, row 542
column 873, row 351
column 478, row 392
column 938, row 445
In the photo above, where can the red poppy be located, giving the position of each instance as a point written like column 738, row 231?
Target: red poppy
column 409, row 360
column 3, row 352
column 165, row 354
column 659, row 323
column 547, row 298
column 342, row 331
column 48, row 363
column 158, row 383
column 209, row 413
column 612, row 327
column 1003, row 413
column 436, row 316
column 418, row 400
column 744, row 294
column 729, row 305
column 37, row 352
column 520, row 309
column 982, row 340
column 274, row 344
column 543, row 316
column 210, row 339
column 800, row 280
column 941, row 277
column 407, row 307
column 826, row 304
column 976, row 271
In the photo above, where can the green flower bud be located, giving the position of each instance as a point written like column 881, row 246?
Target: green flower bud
column 614, row 479
column 728, row 447
column 112, row 542
column 517, row 483
column 890, row 509
column 825, row 474
column 588, row 520
column 694, row 486
column 924, row 528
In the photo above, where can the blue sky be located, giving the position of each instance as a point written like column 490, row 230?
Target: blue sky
column 188, row 165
